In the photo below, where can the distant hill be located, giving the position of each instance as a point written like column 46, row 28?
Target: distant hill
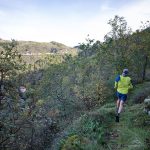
column 34, row 48
column 33, row 51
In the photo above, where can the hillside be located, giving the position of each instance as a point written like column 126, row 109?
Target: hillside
column 97, row 130
column 31, row 47
column 44, row 48
column 33, row 51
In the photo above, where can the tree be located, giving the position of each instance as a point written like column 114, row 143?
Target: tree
column 140, row 45
column 117, row 41
column 10, row 63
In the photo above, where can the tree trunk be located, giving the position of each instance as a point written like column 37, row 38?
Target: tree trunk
column 1, row 86
column 144, row 68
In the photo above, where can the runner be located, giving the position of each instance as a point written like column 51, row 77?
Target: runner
column 122, row 85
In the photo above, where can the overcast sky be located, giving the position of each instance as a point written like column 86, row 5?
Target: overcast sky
column 66, row 21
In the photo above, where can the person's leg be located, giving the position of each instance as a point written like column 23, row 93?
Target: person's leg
column 121, row 99
column 120, row 106
column 117, row 105
column 118, row 102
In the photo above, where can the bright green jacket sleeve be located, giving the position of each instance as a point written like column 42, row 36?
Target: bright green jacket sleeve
column 116, row 85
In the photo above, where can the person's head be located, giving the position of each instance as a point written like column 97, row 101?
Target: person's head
column 125, row 72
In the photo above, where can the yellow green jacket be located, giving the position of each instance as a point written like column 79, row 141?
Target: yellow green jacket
column 123, row 84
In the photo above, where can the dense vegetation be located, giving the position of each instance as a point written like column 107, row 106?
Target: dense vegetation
column 69, row 101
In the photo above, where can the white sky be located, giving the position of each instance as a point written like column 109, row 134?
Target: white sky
column 67, row 21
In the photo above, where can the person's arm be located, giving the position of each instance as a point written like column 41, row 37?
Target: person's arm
column 116, row 81
column 116, row 85
column 130, row 85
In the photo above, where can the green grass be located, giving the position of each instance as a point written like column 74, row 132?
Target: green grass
column 102, row 132
column 132, row 130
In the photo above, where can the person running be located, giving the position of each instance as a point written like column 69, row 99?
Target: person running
column 122, row 85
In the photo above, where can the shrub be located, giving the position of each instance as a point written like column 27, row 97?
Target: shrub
column 73, row 142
